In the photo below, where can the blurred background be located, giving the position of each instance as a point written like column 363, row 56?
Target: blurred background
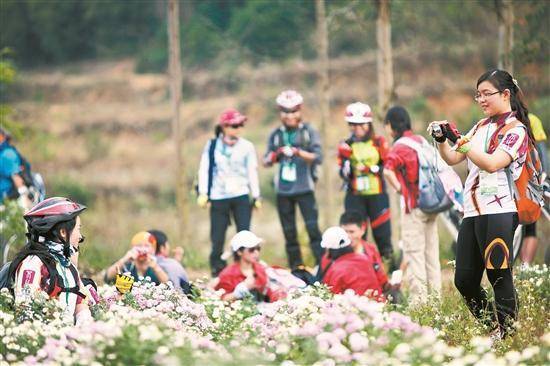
column 85, row 91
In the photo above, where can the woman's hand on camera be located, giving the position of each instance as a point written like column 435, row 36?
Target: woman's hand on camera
column 437, row 130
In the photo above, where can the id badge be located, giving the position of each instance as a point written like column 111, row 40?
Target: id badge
column 232, row 184
column 362, row 183
column 488, row 183
column 288, row 172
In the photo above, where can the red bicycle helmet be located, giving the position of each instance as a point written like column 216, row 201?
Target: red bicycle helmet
column 231, row 117
column 44, row 215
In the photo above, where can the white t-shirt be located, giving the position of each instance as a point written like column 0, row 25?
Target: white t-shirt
column 485, row 193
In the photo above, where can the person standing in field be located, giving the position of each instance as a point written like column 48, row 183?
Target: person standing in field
column 296, row 147
column 228, row 176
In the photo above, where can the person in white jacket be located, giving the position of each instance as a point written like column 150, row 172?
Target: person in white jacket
column 228, row 176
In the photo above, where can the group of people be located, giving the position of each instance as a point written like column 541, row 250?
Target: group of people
column 496, row 150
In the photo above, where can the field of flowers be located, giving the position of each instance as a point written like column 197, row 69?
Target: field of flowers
column 158, row 326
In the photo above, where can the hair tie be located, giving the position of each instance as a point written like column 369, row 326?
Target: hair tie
column 515, row 83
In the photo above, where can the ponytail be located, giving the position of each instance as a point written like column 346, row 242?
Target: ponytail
column 502, row 80
column 218, row 130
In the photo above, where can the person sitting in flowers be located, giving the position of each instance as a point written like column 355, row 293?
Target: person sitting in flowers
column 353, row 223
column 44, row 264
column 342, row 269
column 139, row 261
column 246, row 276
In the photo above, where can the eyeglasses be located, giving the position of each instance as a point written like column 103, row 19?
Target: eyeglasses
column 252, row 250
column 241, row 125
column 483, row 96
column 352, row 125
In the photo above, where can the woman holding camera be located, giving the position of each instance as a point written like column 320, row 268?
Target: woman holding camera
column 140, row 261
column 494, row 145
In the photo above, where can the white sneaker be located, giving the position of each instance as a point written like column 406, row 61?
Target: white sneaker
column 495, row 336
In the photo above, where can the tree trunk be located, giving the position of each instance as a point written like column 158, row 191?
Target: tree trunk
column 505, row 15
column 175, row 76
column 384, row 61
column 324, row 97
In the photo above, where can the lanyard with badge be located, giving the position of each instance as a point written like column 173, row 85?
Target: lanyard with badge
column 288, row 166
column 488, row 182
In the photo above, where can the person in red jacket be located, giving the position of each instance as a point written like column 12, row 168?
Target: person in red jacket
column 343, row 269
column 353, row 224
column 246, row 276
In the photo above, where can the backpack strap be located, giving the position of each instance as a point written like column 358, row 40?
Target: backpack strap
column 498, row 135
column 323, row 271
column 211, row 164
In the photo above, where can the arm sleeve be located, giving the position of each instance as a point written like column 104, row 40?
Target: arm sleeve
column 381, row 272
column 252, row 168
column 227, row 284
column 393, row 160
column 29, row 274
column 10, row 163
column 315, row 146
column 514, row 142
column 203, row 170
column 270, row 146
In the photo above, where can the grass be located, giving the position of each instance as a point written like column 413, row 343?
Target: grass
column 457, row 326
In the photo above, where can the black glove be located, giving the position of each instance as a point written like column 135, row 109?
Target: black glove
column 438, row 133
column 451, row 132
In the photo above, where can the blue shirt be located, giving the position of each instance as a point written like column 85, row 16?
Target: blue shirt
column 10, row 164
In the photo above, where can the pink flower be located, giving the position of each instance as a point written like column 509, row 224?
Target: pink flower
column 358, row 342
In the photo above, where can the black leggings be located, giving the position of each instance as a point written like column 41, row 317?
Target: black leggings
column 220, row 212
column 286, row 207
column 485, row 243
column 376, row 209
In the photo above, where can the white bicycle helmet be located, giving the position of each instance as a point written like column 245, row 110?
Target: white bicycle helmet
column 290, row 99
column 358, row 113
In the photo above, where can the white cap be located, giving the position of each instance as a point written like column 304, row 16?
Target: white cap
column 335, row 238
column 358, row 113
column 244, row 239
column 289, row 99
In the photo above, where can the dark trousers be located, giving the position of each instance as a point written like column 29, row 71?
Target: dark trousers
column 220, row 211
column 376, row 209
column 485, row 244
column 286, row 207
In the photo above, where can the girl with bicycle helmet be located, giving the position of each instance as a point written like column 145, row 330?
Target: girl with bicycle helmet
column 46, row 262
column 360, row 159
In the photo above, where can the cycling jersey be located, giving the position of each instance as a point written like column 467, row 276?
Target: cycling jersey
column 536, row 128
column 32, row 272
column 487, row 193
column 10, row 164
column 366, row 163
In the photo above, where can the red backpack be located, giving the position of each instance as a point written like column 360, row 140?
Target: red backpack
column 527, row 189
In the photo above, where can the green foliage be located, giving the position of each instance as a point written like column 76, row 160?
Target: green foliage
column 274, row 29
column 65, row 186
column 12, row 227
column 218, row 31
